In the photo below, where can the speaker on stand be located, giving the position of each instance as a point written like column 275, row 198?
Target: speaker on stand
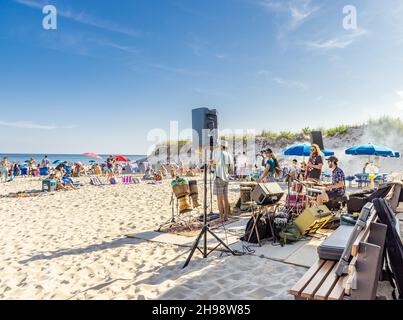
column 316, row 138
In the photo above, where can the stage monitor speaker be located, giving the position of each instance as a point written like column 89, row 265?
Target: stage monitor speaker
column 204, row 121
column 267, row 193
column 312, row 219
column 316, row 138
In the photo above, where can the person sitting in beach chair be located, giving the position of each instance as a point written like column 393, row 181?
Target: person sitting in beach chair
column 68, row 182
column 149, row 173
column 61, row 169
column 97, row 169
column 78, row 169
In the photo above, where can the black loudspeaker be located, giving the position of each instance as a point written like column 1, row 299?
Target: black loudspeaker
column 316, row 138
column 267, row 193
column 204, row 122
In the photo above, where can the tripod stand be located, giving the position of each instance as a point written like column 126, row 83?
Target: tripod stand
column 172, row 220
column 206, row 227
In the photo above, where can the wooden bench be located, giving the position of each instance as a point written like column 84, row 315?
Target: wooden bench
column 320, row 282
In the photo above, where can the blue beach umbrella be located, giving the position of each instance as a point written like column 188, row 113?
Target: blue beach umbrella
column 370, row 150
column 303, row 150
column 56, row 162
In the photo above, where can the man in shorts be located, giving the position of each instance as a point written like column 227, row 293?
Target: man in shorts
column 222, row 162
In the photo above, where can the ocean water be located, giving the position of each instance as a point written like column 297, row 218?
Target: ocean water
column 72, row 158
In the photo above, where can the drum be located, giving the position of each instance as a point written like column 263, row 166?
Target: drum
column 295, row 200
column 193, row 187
column 181, row 190
column 194, row 193
column 311, row 192
column 248, row 184
column 297, row 187
column 184, row 205
column 246, row 195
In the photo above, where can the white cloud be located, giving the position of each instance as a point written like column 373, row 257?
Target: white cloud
column 32, row 125
column 297, row 10
column 340, row 42
column 263, row 73
column 220, row 56
column 290, row 84
column 299, row 14
column 399, row 104
column 82, row 18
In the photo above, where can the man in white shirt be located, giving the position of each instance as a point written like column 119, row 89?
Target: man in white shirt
column 222, row 161
column 241, row 164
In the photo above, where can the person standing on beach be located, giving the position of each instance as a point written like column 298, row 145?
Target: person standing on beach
column 45, row 162
column 272, row 167
column 222, row 162
column 314, row 165
column 4, row 168
column 110, row 164
column 31, row 168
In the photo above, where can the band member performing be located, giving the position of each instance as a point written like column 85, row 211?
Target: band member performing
column 337, row 188
column 222, row 161
column 314, row 165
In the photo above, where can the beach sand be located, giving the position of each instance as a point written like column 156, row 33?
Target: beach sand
column 72, row 245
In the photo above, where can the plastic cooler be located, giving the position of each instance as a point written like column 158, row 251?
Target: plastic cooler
column 48, row 185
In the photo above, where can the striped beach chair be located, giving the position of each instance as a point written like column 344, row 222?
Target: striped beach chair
column 127, row 180
column 96, row 182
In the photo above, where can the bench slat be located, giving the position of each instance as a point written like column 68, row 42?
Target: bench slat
column 318, row 279
column 338, row 290
column 306, row 278
column 328, row 285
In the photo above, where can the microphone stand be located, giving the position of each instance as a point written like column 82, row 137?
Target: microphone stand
column 206, row 227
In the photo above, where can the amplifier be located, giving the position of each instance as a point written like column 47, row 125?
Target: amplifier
column 313, row 219
column 267, row 193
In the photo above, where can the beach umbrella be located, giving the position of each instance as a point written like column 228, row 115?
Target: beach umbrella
column 303, row 150
column 92, row 155
column 370, row 150
column 92, row 161
column 57, row 162
column 121, row 159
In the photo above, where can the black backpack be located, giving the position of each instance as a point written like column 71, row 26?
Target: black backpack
column 393, row 256
column 263, row 229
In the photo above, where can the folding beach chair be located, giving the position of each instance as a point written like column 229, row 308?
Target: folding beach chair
column 96, row 182
column 127, row 180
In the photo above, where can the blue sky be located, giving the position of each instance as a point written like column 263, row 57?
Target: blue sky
column 113, row 70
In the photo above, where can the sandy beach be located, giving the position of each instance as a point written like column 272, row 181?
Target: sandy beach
column 72, row 245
